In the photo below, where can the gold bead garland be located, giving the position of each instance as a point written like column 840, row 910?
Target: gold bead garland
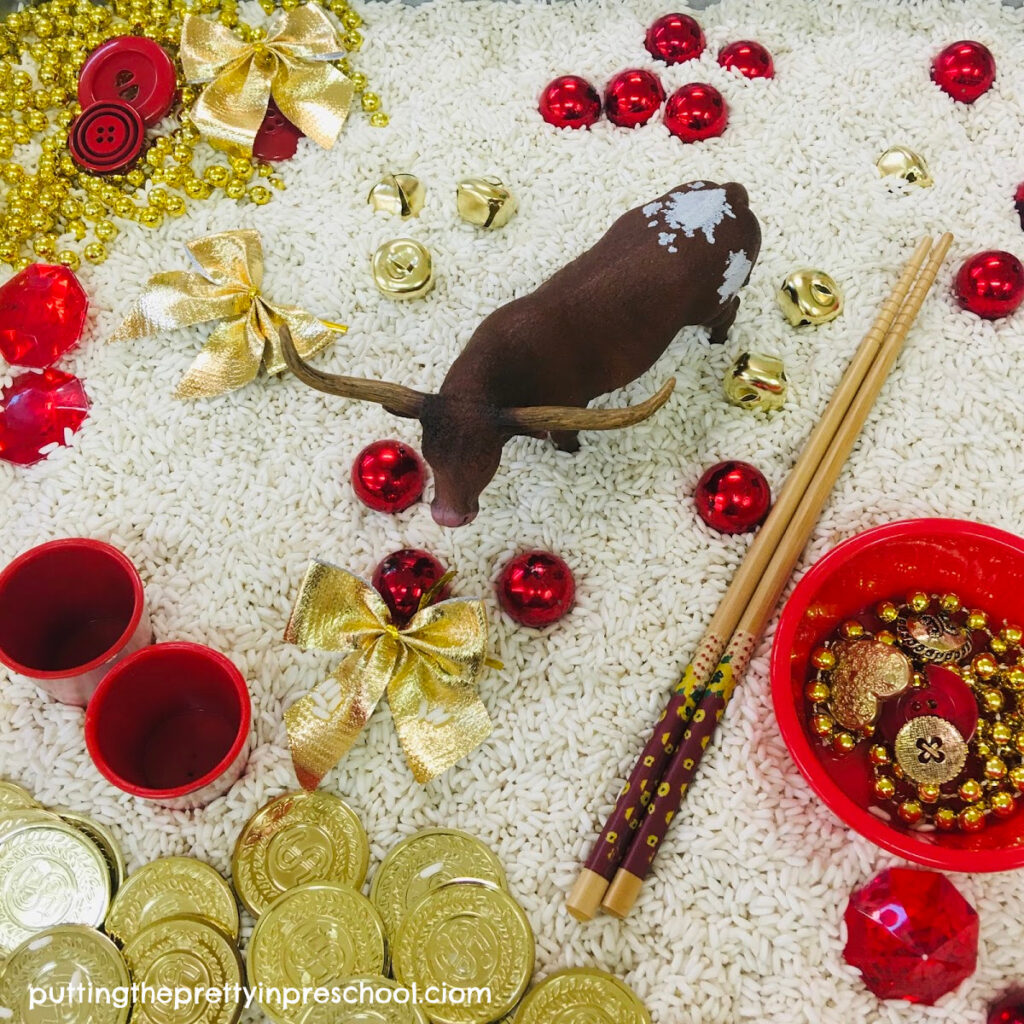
column 990, row 779
column 47, row 212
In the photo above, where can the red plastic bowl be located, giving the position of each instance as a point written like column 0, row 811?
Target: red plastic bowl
column 985, row 567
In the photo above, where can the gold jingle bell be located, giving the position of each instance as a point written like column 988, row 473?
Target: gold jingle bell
column 401, row 194
column 904, row 162
column 755, row 381
column 485, row 202
column 810, row 297
column 403, row 269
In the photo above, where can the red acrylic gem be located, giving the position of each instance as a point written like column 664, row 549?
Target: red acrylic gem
column 911, row 935
column 964, row 70
column 632, row 98
column 696, row 111
column 990, row 284
column 42, row 314
column 277, row 138
column 570, row 102
column 733, row 497
column 403, row 578
column 749, row 58
column 536, row 588
column 675, row 38
column 388, row 476
column 36, row 410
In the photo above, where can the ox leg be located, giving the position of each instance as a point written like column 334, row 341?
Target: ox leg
column 566, row 440
column 719, row 326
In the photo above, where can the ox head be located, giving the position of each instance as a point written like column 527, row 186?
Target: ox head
column 463, row 438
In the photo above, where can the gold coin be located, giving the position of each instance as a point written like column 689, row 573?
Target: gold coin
column 172, row 887
column 582, row 995
column 50, row 874
column 10, row 820
column 59, row 960
column 363, row 999
column 421, row 863
column 185, row 952
column 294, row 840
column 105, row 843
column 930, row 750
column 13, row 796
column 309, row 936
column 466, row 934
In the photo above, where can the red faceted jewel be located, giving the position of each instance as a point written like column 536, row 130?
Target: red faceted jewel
column 42, row 315
column 912, row 935
column 37, row 411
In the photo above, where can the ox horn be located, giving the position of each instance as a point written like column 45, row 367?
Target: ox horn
column 568, row 417
column 401, row 401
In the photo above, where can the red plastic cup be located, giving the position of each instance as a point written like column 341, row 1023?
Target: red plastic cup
column 69, row 610
column 171, row 724
column 981, row 564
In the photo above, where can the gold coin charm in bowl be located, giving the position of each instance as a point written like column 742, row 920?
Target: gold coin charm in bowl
column 172, row 887
column 55, row 960
column 311, row 936
column 485, row 202
column 467, row 934
column 186, row 953
column 368, row 1005
column 582, row 994
column 399, row 194
column 403, row 269
column 421, row 863
column 810, row 297
column 296, row 839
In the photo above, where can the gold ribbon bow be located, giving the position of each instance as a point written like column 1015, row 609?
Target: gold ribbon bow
column 290, row 65
column 226, row 286
column 429, row 671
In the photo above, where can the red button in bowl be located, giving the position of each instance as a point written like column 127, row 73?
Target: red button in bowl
column 106, row 137
column 132, row 70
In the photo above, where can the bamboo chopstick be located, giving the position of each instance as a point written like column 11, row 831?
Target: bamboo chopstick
column 628, row 880
column 607, row 852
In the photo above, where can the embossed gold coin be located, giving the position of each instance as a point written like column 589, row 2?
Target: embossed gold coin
column 56, row 959
column 185, row 953
column 582, row 995
column 930, row 750
column 310, row 936
column 296, row 839
column 50, row 874
column 364, row 999
column 10, row 820
column 105, row 843
column 462, row 935
column 13, row 796
column 421, row 863
column 172, row 887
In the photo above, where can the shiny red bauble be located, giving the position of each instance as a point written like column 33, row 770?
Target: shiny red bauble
column 42, row 315
column 536, row 588
column 37, row 411
column 570, row 102
column 696, row 111
column 633, row 97
column 964, row 70
column 911, row 934
column 675, row 38
column 388, row 476
column 403, row 578
column 733, row 497
column 990, row 284
column 749, row 58
column 1007, row 1011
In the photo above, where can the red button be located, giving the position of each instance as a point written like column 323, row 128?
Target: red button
column 132, row 70
column 277, row 138
column 106, row 137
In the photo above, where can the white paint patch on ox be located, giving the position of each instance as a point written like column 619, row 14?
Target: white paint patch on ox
column 667, row 238
column 689, row 212
column 736, row 271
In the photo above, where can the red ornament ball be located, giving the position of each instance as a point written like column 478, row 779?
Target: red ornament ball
column 632, row 98
column 964, row 70
column 749, row 58
column 990, row 284
column 536, row 588
column 696, row 111
column 403, row 578
column 570, row 102
column 1007, row 1012
column 675, row 38
column 733, row 497
column 388, row 476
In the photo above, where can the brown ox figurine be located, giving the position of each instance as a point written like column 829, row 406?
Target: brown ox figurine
column 533, row 365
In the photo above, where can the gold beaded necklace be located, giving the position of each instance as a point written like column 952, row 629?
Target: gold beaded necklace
column 46, row 211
